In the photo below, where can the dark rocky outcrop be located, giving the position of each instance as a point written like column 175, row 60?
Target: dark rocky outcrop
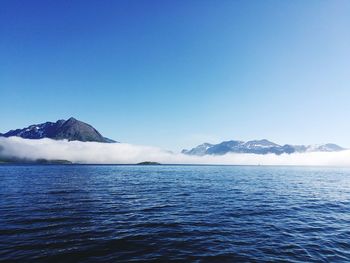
column 71, row 129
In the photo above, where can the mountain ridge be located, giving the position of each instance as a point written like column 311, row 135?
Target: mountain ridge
column 258, row 147
column 71, row 130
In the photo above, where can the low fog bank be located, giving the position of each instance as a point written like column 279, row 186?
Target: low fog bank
column 122, row 153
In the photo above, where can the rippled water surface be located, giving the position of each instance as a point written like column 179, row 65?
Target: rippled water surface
column 193, row 213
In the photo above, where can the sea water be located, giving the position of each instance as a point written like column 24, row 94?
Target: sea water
column 88, row 213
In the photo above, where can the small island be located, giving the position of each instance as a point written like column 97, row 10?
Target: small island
column 27, row 161
column 148, row 163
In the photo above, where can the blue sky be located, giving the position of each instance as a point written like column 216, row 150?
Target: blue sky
column 178, row 73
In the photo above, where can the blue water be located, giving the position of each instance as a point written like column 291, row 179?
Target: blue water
column 180, row 213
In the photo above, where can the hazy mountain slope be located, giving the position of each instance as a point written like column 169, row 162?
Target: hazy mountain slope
column 258, row 147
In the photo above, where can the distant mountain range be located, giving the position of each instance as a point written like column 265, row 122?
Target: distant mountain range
column 75, row 130
column 258, row 147
column 71, row 130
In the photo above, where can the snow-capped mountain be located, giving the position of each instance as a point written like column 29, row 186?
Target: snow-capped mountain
column 71, row 129
column 258, row 147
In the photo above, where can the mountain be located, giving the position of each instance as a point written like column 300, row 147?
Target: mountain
column 71, row 130
column 258, row 147
column 199, row 150
column 329, row 147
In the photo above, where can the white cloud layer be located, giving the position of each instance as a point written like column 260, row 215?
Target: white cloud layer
column 122, row 153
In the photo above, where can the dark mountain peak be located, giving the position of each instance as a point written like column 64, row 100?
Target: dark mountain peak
column 75, row 130
column 71, row 129
column 72, row 120
column 60, row 122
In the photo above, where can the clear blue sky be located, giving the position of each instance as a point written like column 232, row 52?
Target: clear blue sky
column 178, row 73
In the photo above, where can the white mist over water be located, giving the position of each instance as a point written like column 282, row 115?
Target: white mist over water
column 122, row 153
